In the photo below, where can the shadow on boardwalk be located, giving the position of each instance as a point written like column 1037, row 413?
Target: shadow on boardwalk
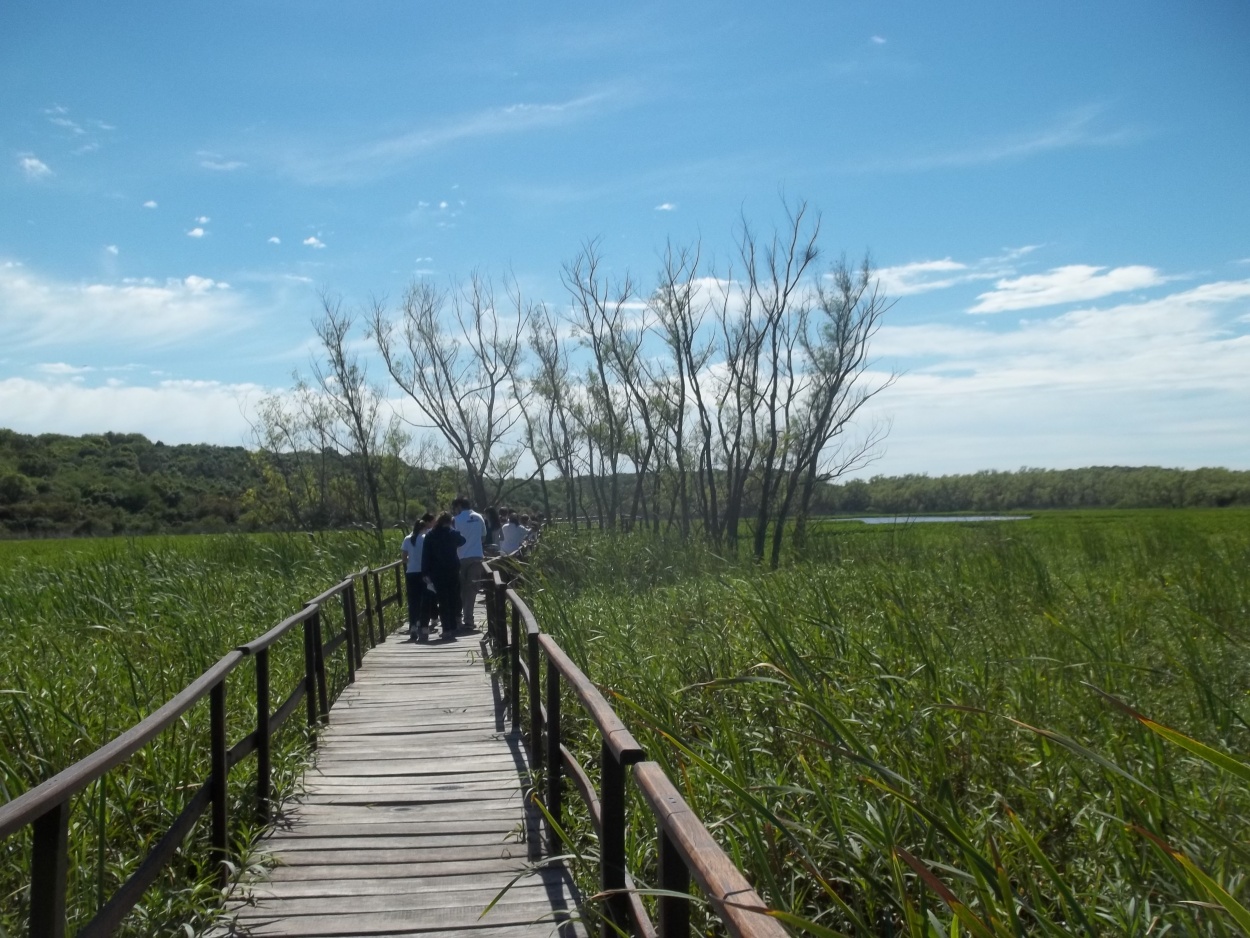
column 413, row 817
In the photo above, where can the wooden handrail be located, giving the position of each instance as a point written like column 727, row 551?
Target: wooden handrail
column 686, row 848
column 45, row 808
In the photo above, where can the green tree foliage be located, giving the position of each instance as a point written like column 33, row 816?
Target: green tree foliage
column 114, row 483
column 1028, row 488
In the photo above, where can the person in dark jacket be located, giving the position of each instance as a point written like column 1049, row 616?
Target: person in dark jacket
column 441, row 563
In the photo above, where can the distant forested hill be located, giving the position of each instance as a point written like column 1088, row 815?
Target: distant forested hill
column 123, row 483
column 1092, row 487
column 119, row 483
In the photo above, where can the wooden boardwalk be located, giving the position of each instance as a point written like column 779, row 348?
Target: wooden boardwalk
column 412, row 819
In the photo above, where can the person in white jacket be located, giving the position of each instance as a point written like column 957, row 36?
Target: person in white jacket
column 472, row 527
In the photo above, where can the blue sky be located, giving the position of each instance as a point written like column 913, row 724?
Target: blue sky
column 1057, row 195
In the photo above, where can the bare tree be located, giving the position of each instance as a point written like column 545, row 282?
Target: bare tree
column 464, row 381
column 597, row 317
column 354, row 402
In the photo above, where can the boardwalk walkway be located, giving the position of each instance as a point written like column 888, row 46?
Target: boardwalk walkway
column 413, row 818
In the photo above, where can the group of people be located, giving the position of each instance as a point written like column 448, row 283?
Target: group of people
column 443, row 562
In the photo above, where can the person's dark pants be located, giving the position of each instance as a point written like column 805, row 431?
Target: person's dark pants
column 448, row 589
column 415, row 588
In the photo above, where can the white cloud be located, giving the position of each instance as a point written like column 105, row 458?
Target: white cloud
column 1122, row 385
column 442, row 204
column 202, row 220
column 63, row 369
column 314, row 242
column 275, row 240
column 1070, row 284
column 37, row 311
column 1182, row 341
column 878, row 40
column 33, row 167
column 195, row 233
column 150, row 203
column 173, row 411
column 222, row 166
column 666, row 207
column 924, row 276
column 67, row 124
column 111, row 249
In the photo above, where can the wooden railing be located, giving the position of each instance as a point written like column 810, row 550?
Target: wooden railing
column 685, row 847
column 46, row 807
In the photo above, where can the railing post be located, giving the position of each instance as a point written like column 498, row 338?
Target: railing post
column 49, row 864
column 355, row 625
column 219, row 852
column 262, row 736
column 319, row 657
column 500, row 635
column 674, row 877
column 310, row 678
column 514, row 670
column 492, row 611
column 612, row 844
column 555, row 762
column 347, row 632
column 534, row 690
column 377, row 598
column 368, row 608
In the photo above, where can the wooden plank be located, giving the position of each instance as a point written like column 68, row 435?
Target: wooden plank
column 401, row 925
column 474, row 902
column 458, row 886
column 478, row 869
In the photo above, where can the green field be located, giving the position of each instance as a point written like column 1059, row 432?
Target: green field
column 98, row 634
column 924, row 694
column 904, row 713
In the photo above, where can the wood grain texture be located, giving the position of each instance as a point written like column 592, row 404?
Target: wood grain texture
column 413, row 818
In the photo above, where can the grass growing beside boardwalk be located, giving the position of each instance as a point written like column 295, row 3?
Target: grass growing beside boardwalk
column 902, row 731
column 97, row 635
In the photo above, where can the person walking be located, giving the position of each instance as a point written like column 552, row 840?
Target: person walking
column 513, row 536
column 472, row 527
column 415, row 582
column 441, row 563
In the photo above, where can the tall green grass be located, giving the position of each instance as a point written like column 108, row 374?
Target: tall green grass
column 97, row 635
column 903, row 731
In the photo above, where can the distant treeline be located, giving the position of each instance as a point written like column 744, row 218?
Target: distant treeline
column 1091, row 487
column 123, row 483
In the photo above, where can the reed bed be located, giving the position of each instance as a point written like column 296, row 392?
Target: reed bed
column 922, row 730
column 97, row 635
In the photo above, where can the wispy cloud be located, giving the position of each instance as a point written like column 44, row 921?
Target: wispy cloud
column 314, row 242
column 111, row 249
column 929, row 275
column 275, row 240
column 384, row 156
column 218, row 163
column 63, row 369
column 33, row 167
column 666, row 207
column 1083, row 128
column 37, row 310
column 878, row 40
column 150, row 203
column 1071, row 284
